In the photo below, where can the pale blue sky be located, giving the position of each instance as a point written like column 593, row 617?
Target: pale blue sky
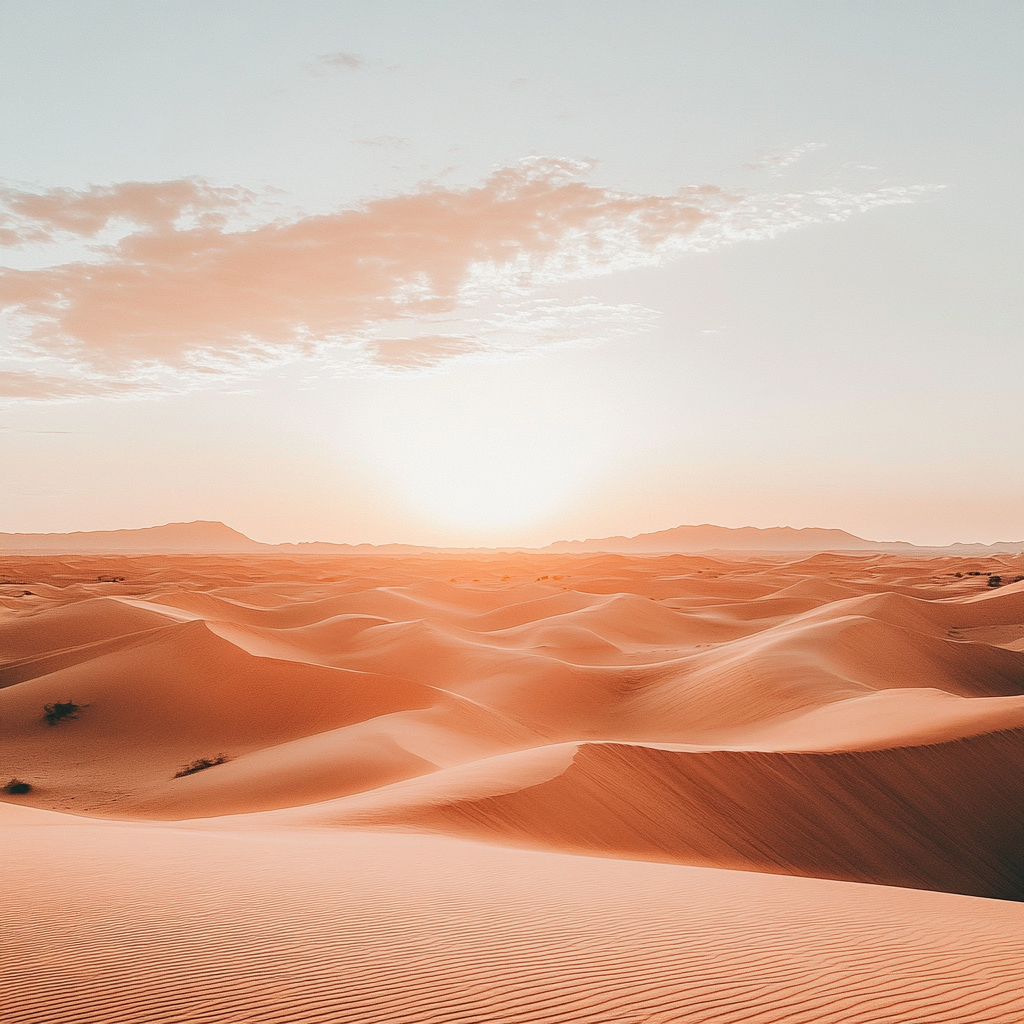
column 862, row 373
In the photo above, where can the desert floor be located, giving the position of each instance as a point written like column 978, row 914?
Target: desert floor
column 512, row 788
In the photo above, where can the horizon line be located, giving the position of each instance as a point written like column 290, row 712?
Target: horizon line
column 514, row 548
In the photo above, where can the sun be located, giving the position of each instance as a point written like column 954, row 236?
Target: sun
column 484, row 464
column 485, row 483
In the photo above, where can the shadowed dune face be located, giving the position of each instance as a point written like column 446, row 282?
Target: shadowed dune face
column 845, row 717
column 937, row 816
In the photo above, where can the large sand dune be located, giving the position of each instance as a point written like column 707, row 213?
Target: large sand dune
column 855, row 718
column 864, row 816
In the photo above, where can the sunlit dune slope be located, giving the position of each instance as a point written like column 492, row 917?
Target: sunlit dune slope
column 178, row 693
column 847, row 717
column 125, row 923
column 68, row 626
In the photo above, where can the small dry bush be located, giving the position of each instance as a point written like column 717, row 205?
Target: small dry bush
column 61, row 710
column 200, row 765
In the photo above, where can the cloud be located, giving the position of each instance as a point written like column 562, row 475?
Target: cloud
column 775, row 162
column 420, row 351
column 27, row 217
column 38, row 386
column 343, row 62
column 384, row 142
column 190, row 291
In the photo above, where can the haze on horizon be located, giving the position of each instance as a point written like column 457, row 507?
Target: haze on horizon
column 470, row 273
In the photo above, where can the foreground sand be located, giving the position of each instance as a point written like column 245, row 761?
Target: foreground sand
column 849, row 718
column 130, row 922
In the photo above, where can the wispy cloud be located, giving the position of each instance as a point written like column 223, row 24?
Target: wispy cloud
column 188, row 290
column 326, row 63
column 419, row 351
column 776, row 162
column 498, row 327
column 384, row 142
column 34, row 385
column 156, row 207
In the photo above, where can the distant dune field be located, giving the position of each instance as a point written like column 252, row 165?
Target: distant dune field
column 358, row 788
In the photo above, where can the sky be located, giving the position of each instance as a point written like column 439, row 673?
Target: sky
column 480, row 273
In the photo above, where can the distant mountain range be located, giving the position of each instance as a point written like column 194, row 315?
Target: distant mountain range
column 199, row 538
column 722, row 538
column 204, row 537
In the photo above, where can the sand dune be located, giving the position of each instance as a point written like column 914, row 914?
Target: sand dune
column 853, row 718
column 119, row 924
column 181, row 694
column 939, row 816
column 320, row 689
column 74, row 625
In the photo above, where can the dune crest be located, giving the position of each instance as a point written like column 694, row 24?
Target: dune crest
column 938, row 816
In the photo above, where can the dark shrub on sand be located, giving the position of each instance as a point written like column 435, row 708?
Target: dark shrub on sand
column 200, row 765
column 59, row 711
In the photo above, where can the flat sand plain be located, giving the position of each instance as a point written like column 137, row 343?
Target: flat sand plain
column 513, row 788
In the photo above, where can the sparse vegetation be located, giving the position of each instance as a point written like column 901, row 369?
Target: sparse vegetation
column 61, row 710
column 995, row 581
column 201, row 765
column 18, row 787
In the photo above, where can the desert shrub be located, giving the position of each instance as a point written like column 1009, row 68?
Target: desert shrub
column 200, row 765
column 995, row 581
column 57, row 712
column 18, row 787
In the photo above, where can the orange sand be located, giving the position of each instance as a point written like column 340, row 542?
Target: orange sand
column 856, row 718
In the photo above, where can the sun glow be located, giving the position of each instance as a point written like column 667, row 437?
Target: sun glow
column 485, row 482
column 488, row 461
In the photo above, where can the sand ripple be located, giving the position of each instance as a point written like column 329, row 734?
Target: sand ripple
column 263, row 927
